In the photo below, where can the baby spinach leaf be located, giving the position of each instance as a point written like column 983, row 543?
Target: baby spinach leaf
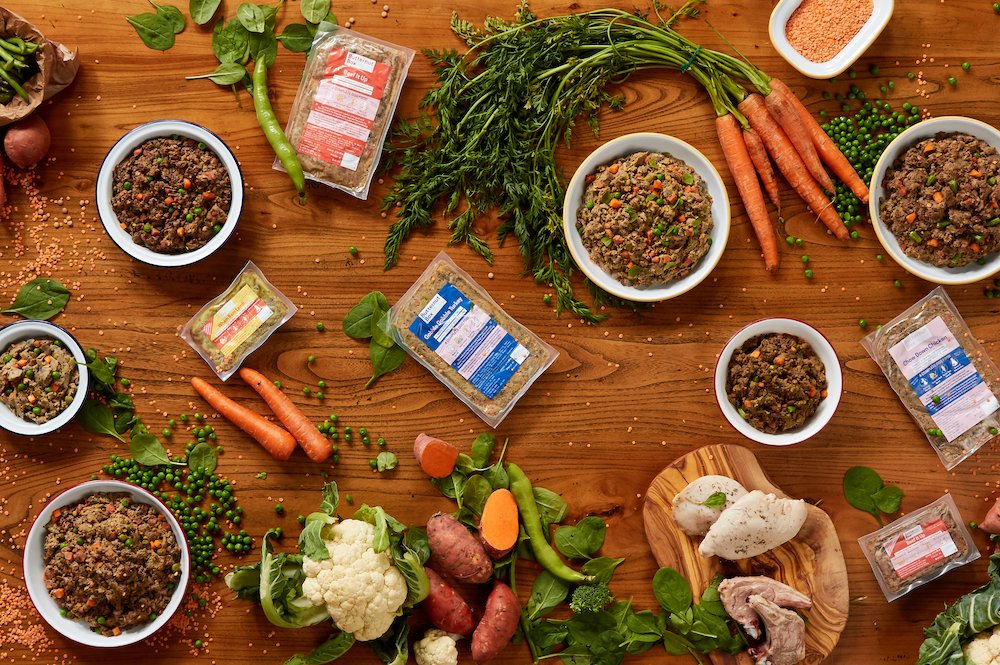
column 264, row 45
column 865, row 490
column 230, row 41
column 672, row 591
column 251, row 16
column 603, row 567
column 331, row 650
column 155, row 30
column 888, row 499
column 582, row 540
column 315, row 11
column 202, row 458
column 173, row 15
column 202, row 10
column 147, row 450
column 715, row 500
column 677, row 645
column 97, row 418
column 39, row 299
column 386, row 461
column 547, row 593
column 551, row 507
column 296, row 38
column 497, row 476
column 453, row 487
column 227, row 73
column 358, row 322
column 482, row 449
column 384, row 360
column 379, row 335
column 546, row 635
column 477, row 490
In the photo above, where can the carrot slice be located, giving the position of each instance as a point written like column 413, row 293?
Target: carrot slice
column 314, row 443
column 279, row 443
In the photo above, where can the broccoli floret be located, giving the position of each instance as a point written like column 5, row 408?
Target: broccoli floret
column 591, row 598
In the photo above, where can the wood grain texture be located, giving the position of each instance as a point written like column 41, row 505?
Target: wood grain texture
column 812, row 562
column 622, row 401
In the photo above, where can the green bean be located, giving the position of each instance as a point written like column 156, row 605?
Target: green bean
column 272, row 129
column 14, row 84
column 546, row 557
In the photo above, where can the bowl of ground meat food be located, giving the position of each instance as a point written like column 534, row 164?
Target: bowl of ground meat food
column 935, row 200
column 646, row 217
column 43, row 377
column 106, row 563
column 169, row 193
column 778, row 381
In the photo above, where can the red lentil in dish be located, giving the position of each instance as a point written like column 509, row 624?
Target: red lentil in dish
column 776, row 382
column 111, row 562
column 820, row 29
column 39, row 379
column 646, row 219
column 942, row 200
column 172, row 194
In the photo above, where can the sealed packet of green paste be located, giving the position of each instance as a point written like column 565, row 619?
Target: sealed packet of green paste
column 241, row 318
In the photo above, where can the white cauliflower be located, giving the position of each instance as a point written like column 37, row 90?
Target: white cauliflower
column 436, row 648
column 363, row 591
column 984, row 649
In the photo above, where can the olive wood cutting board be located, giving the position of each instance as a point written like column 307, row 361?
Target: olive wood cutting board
column 812, row 562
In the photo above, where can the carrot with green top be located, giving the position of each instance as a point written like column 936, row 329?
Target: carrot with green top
column 312, row 441
column 762, row 164
column 788, row 119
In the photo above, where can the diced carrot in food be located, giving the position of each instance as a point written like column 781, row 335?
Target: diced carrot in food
column 614, row 168
column 938, row 197
column 615, row 203
column 930, row 147
column 912, row 216
column 933, row 242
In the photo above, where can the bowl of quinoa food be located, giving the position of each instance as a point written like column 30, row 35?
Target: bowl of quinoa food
column 935, row 200
column 169, row 193
column 43, row 377
column 778, row 381
column 646, row 217
column 106, row 563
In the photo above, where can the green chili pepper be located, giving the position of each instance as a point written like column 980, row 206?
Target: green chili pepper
column 272, row 129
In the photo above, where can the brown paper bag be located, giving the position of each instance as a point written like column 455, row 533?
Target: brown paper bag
column 57, row 64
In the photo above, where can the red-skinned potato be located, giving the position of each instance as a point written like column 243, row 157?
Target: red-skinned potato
column 27, row 141
column 498, row 625
column 445, row 608
column 991, row 523
column 455, row 551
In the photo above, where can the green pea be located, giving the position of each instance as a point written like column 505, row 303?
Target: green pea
column 952, row 81
column 126, row 185
column 311, row 359
column 353, row 250
column 320, row 326
column 966, row 66
column 147, row 228
column 306, row 390
column 808, row 273
column 898, row 284
column 277, row 384
column 863, row 323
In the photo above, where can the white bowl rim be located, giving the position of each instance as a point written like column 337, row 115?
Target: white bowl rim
column 128, row 142
column 881, row 13
column 720, row 216
column 967, row 274
column 19, row 330
column 834, row 379
column 78, row 631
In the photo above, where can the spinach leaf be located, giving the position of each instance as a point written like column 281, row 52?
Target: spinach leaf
column 672, row 591
column 296, row 38
column 96, row 418
column 711, row 601
column 547, row 593
column 582, row 540
column 497, row 476
column 202, row 458
column 715, row 500
column 551, row 507
column 315, row 11
column 155, row 30
column 384, row 360
column 603, row 567
column 386, row 461
column 147, row 450
column 230, row 43
column 477, row 490
column 227, row 73
column 677, row 645
column 202, row 10
column 888, row 499
column 865, row 490
column 264, row 45
column 358, row 322
column 585, row 629
column 546, row 635
column 251, row 16
column 39, row 299
column 173, row 15
column 121, row 402
column 482, row 449
column 453, row 487
column 643, row 631
column 379, row 335
column 329, row 651
column 102, row 375
column 331, row 498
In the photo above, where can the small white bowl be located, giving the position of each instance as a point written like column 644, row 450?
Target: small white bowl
column 21, row 330
column 967, row 274
column 626, row 145
column 881, row 13
column 823, row 349
column 34, row 567
column 123, row 148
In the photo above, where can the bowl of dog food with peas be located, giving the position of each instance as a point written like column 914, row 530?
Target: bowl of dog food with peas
column 170, row 193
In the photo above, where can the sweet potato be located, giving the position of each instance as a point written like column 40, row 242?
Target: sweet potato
column 991, row 523
column 445, row 608
column 455, row 552
column 498, row 625
column 27, row 141
column 436, row 457
column 498, row 525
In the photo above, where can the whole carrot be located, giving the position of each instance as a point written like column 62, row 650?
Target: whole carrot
column 762, row 163
column 788, row 118
column 741, row 168
column 275, row 440
column 827, row 149
column 790, row 164
column 314, row 443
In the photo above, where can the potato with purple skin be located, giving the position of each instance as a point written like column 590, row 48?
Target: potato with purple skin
column 445, row 608
column 498, row 625
column 455, row 551
column 27, row 141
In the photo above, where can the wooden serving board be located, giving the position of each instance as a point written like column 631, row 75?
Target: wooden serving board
column 812, row 562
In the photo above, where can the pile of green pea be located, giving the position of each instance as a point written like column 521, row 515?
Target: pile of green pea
column 328, row 428
column 202, row 503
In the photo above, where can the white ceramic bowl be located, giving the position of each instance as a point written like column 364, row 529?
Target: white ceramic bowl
column 972, row 272
column 881, row 13
column 626, row 145
column 21, row 330
column 123, row 148
column 823, row 349
column 34, row 567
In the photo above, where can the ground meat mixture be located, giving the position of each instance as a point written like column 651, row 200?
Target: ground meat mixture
column 942, row 200
column 39, row 379
column 646, row 219
column 776, row 382
column 172, row 194
column 111, row 562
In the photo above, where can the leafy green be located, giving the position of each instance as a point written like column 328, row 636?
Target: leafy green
column 315, row 11
column 96, row 418
column 331, row 498
column 202, row 458
column 39, row 299
column 251, row 16
column 296, row 38
column 602, row 568
column 865, row 490
column 311, row 541
column 482, row 449
column 280, row 592
column 477, row 490
column 173, row 15
column 888, row 499
column 547, row 593
column 329, row 651
column 230, row 42
column 227, row 73
column 672, row 590
column 202, row 10
column 415, row 540
column 363, row 322
column 393, row 648
column 418, row 585
column 155, row 30
column 582, row 540
column 715, row 500
column 384, row 360
column 386, row 461
column 551, row 507
column 147, row 450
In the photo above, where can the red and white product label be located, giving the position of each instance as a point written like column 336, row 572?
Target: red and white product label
column 919, row 547
column 343, row 111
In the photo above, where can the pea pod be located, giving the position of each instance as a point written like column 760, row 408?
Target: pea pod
column 272, row 129
column 547, row 557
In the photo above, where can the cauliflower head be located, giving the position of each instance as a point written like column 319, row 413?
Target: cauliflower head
column 436, row 648
column 362, row 590
column 984, row 649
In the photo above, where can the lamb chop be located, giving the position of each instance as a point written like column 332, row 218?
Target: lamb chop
column 785, row 631
column 735, row 593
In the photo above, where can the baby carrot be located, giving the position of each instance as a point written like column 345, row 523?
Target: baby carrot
column 314, row 443
column 275, row 440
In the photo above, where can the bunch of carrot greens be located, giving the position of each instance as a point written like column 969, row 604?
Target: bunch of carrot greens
column 486, row 142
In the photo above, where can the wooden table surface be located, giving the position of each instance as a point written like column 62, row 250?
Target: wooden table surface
column 622, row 400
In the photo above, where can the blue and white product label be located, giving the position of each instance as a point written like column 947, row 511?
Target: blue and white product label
column 947, row 383
column 469, row 340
